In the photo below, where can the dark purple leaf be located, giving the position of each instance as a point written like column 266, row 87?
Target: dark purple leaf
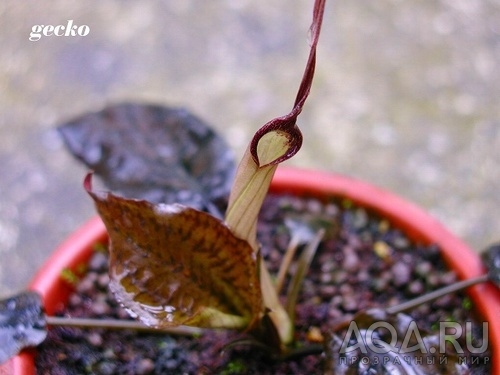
column 22, row 324
column 491, row 260
column 152, row 152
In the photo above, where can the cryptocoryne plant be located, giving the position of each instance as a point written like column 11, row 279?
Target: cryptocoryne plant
column 173, row 265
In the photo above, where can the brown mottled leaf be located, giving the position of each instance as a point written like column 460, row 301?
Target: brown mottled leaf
column 172, row 265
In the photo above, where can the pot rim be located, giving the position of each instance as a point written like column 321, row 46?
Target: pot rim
column 412, row 220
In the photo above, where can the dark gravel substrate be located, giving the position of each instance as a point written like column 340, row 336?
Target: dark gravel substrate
column 362, row 263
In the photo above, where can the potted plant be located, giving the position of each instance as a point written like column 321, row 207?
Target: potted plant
column 417, row 224
column 218, row 279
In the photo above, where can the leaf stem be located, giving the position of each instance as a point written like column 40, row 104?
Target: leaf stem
column 436, row 294
column 120, row 324
column 302, row 267
column 285, row 263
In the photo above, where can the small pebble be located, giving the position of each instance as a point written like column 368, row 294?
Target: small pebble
column 326, row 278
column 380, row 284
column 401, row 274
column 336, row 300
column 423, row 268
column 400, row 242
column 87, row 284
column 327, row 291
column 384, row 226
column 423, row 309
column 98, row 262
column 100, row 306
column 106, row 368
column 351, row 260
column 172, row 364
column 349, row 303
column 94, row 338
column 75, row 300
column 103, row 280
column 355, row 242
column 314, row 335
column 448, row 278
column 328, row 266
column 109, row 353
column 444, row 301
column 360, row 218
column 432, row 280
column 346, row 289
column 314, row 206
column 416, row 287
column 363, row 276
column 331, row 210
column 340, row 276
column 334, row 313
column 144, row 366
column 382, row 249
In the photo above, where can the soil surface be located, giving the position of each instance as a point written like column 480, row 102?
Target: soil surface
column 362, row 263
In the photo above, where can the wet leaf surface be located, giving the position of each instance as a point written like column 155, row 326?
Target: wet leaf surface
column 378, row 343
column 172, row 265
column 152, row 152
column 22, row 324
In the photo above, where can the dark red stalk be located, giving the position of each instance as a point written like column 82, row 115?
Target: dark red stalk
column 287, row 124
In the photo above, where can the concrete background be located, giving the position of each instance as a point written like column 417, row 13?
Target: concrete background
column 405, row 96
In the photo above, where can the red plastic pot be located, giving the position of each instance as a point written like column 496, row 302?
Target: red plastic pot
column 418, row 226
